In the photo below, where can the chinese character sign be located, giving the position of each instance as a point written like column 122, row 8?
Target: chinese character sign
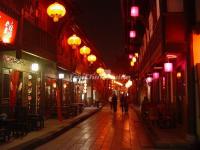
column 8, row 28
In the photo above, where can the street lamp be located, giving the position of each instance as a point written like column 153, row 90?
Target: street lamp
column 56, row 11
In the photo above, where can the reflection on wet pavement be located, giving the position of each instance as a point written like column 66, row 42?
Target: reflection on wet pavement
column 103, row 131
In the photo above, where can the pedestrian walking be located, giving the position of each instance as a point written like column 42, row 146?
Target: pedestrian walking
column 114, row 102
column 122, row 98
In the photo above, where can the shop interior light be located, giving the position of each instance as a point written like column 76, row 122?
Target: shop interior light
column 34, row 67
column 61, row 75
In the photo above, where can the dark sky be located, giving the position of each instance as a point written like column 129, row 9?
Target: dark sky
column 101, row 20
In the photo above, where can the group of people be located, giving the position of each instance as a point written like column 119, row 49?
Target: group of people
column 123, row 102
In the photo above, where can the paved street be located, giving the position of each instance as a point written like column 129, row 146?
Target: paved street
column 104, row 130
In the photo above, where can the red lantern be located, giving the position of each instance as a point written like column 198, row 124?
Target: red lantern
column 132, row 34
column 168, row 67
column 134, row 11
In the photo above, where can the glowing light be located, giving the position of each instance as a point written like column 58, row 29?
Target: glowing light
column 74, row 41
column 156, row 75
column 118, row 83
column 128, row 84
column 178, row 75
column 34, row 67
column 134, row 11
column 100, row 70
column 136, row 55
column 132, row 63
column 8, row 28
column 85, row 50
column 65, row 85
column 61, row 75
column 171, row 56
column 134, row 59
column 168, row 67
column 132, row 34
column 91, row 58
column 56, row 11
column 130, row 56
column 149, row 79
column 54, row 85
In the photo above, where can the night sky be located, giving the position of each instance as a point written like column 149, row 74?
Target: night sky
column 102, row 22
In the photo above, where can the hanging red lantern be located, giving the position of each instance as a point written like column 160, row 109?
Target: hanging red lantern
column 134, row 11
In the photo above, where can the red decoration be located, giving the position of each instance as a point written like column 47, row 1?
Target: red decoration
column 14, row 78
column 8, row 28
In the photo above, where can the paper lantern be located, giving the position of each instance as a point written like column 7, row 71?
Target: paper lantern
column 56, row 11
column 156, row 75
column 168, row 67
column 134, row 11
column 132, row 34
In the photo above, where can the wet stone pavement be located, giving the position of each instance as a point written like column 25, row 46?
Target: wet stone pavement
column 104, row 131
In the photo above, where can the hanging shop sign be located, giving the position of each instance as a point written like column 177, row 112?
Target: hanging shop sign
column 8, row 28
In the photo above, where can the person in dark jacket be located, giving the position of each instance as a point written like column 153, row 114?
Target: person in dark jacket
column 114, row 102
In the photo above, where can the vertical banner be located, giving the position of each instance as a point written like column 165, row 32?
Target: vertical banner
column 14, row 78
column 58, row 101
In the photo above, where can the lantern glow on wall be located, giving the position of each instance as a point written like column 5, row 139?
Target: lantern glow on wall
column 168, row 67
column 56, row 11
column 134, row 11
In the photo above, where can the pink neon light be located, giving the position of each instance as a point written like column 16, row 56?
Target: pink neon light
column 130, row 56
column 132, row 34
column 134, row 11
column 156, row 75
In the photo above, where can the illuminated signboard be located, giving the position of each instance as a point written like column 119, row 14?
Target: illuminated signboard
column 8, row 28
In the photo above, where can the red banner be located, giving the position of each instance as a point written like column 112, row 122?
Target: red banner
column 14, row 78
column 8, row 28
